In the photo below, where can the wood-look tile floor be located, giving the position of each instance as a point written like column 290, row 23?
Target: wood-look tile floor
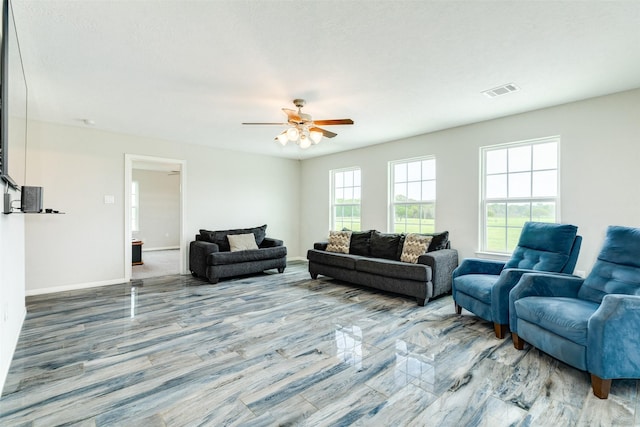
column 282, row 349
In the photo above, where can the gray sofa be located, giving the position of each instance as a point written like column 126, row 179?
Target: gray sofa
column 374, row 260
column 210, row 256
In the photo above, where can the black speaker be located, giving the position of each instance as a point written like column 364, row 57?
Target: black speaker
column 31, row 199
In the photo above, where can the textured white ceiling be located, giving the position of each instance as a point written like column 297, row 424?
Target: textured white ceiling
column 193, row 71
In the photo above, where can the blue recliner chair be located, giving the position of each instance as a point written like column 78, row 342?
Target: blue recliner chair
column 591, row 324
column 482, row 286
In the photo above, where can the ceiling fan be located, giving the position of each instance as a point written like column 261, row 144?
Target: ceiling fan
column 303, row 130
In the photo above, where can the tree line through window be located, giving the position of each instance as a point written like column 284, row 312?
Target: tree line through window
column 519, row 184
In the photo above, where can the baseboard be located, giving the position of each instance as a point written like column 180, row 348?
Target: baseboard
column 296, row 258
column 160, row 249
column 75, row 287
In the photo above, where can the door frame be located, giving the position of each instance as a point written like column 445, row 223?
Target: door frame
column 129, row 160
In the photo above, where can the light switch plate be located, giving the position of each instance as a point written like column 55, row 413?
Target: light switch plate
column 109, row 199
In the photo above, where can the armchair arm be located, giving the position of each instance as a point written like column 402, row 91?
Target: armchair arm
column 198, row 252
column 478, row 266
column 269, row 242
column 542, row 284
column 442, row 264
column 500, row 293
column 612, row 338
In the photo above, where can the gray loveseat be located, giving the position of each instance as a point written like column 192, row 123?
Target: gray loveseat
column 374, row 260
column 211, row 258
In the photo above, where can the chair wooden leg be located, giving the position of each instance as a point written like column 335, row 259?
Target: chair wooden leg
column 518, row 342
column 600, row 386
column 500, row 330
column 458, row 308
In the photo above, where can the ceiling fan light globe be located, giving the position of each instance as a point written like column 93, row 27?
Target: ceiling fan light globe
column 293, row 134
column 282, row 138
column 305, row 142
column 316, row 136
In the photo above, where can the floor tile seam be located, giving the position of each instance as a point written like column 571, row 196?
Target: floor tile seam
column 308, row 402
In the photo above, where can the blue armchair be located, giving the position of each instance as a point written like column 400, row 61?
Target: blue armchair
column 482, row 286
column 591, row 324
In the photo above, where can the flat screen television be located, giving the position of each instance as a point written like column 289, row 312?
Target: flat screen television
column 13, row 104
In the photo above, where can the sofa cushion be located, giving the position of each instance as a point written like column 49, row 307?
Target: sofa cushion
column 617, row 270
column 394, row 269
column 543, row 246
column 414, row 245
column 333, row 259
column 339, row 241
column 224, row 258
column 439, row 241
column 219, row 237
column 242, row 242
column 566, row 317
column 532, row 259
column 478, row 286
column 360, row 243
column 384, row 245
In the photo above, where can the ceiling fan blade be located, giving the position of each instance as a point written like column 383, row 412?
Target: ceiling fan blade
column 279, row 124
column 292, row 115
column 333, row 122
column 326, row 133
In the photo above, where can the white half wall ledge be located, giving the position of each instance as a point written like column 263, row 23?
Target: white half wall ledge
column 75, row 287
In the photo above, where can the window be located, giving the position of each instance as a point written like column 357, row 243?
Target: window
column 135, row 206
column 413, row 195
column 519, row 184
column 345, row 200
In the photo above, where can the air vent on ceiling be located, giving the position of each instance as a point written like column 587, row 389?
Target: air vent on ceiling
column 501, row 90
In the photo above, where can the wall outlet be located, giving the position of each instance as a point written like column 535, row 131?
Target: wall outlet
column 580, row 273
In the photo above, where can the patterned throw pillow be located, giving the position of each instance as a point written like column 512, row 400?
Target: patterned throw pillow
column 414, row 246
column 339, row 241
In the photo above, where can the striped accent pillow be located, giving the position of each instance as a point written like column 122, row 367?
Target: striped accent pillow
column 339, row 241
column 414, row 246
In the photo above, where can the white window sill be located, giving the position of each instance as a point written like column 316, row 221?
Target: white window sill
column 493, row 255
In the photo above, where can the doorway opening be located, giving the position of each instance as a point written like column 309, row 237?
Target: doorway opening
column 154, row 215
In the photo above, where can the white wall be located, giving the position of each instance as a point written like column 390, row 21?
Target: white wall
column 600, row 176
column 12, row 293
column 159, row 209
column 79, row 166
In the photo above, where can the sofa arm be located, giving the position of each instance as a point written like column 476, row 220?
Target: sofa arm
column 545, row 285
column 269, row 242
column 198, row 252
column 479, row 266
column 612, row 338
column 320, row 246
column 442, row 264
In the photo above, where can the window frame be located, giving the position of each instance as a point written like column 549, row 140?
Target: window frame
column 531, row 200
column 333, row 225
column 391, row 223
